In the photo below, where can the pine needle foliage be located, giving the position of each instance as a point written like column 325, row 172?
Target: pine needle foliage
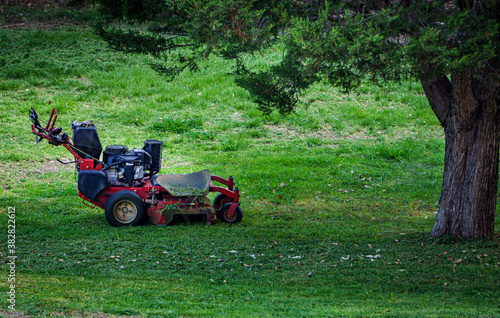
column 341, row 42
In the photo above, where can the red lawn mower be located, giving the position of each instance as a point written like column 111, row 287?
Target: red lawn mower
column 126, row 184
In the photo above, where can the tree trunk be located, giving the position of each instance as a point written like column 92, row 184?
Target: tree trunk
column 467, row 108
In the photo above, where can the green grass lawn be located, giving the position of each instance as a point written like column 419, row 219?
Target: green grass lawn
column 338, row 198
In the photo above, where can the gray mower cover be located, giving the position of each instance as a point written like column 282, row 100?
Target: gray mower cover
column 193, row 184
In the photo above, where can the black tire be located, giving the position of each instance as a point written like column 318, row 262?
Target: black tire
column 237, row 216
column 124, row 208
column 221, row 199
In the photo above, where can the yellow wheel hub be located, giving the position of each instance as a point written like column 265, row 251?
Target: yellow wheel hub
column 125, row 211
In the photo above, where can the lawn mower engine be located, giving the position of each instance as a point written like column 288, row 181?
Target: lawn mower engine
column 126, row 183
column 126, row 166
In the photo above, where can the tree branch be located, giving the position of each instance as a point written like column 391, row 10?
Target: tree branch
column 439, row 93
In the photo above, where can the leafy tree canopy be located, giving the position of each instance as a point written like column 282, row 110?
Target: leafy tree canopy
column 341, row 42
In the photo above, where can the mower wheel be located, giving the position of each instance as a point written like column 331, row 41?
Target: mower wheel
column 221, row 199
column 223, row 214
column 124, row 208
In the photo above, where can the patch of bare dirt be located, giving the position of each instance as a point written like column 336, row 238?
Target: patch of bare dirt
column 16, row 20
column 290, row 132
column 69, row 4
column 39, row 25
column 40, row 167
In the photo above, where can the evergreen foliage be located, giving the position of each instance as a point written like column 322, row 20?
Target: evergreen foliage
column 342, row 42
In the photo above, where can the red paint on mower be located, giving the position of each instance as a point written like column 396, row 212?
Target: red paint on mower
column 126, row 183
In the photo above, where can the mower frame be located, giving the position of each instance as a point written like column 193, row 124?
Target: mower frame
column 157, row 202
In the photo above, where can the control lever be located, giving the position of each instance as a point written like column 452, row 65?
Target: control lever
column 67, row 162
column 56, row 131
column 54, row 134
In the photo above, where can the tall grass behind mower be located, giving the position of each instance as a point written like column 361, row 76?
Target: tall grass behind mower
column 126, row 183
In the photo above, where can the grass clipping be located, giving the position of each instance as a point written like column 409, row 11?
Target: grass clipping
column 193, row 184
column 186, row 191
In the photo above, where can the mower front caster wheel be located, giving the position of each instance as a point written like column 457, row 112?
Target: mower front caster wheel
column 124, row 208
column 224, row 211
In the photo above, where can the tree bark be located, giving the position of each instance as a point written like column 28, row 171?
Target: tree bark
column 467, row 107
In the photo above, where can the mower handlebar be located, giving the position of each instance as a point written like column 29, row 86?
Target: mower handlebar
column 53, row 135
